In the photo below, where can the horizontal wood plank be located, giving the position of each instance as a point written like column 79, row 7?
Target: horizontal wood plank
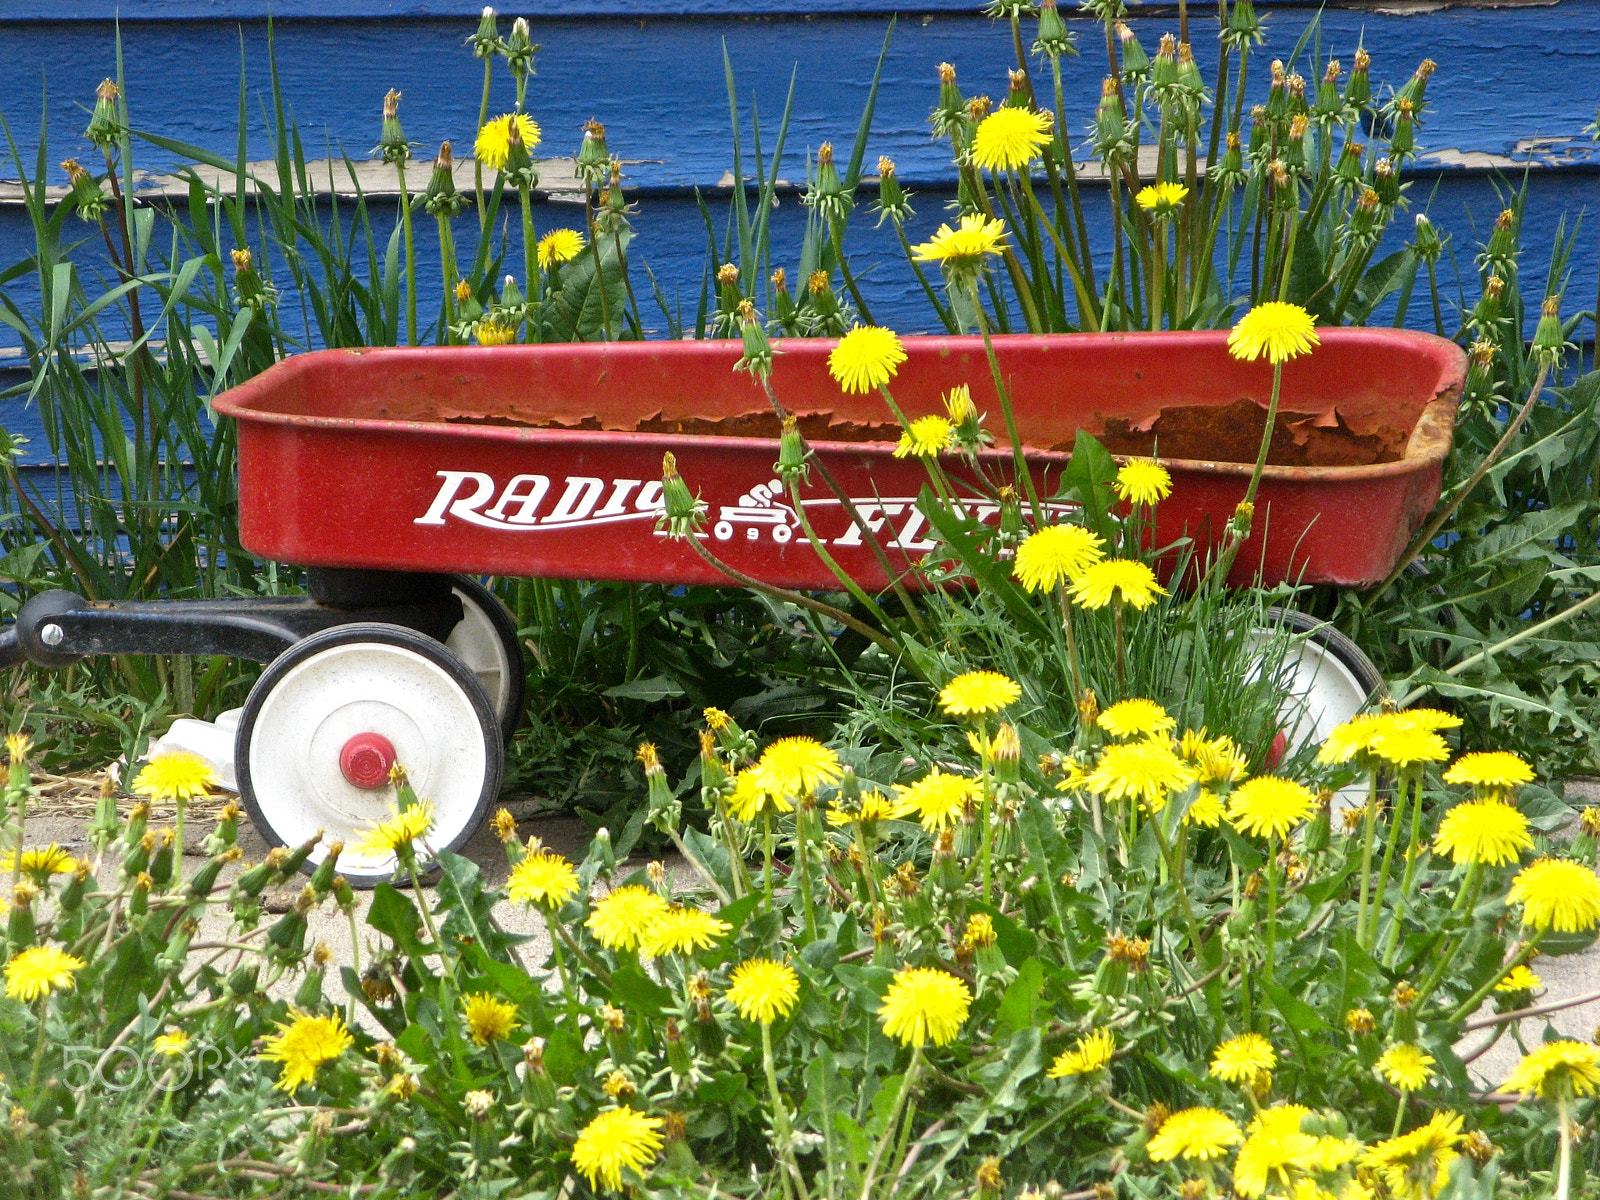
column 28, row 11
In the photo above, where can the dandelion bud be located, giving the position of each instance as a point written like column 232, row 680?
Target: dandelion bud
column 442, row 199
column 791, row 462
column 242, row 980
column 392, row 144
column 1549, row 340
column 1294, row 86
column 1404, row 994
column 1415, row 88
column 87, row 198
column 1135, row 61
column 204, row 880
column 1192, row 1189
column 1006, row 754
column 1426, row 241
column 978, row 108
column 1330, row 105
column 679, row 1060
column 1360, row 1022
column 1019, row 93
column 486, row 42
column 893, row 203
column 71, row 897
column 988, row 1180
column 1054, row 40
column 946, row 117
column 593, row 162
column 757, row 356
column 1189, row 71
column 1386, row 181
column 519, row 50
column 1358, row 89
column 1110, row 123
column 105, row 124
column 309, row 993
column 1164, row 71
column 681, row 512
column 601, row 850
column 1477, row 1146
column 20, row 929
column 1294, row 150
column 1244, row 26
column 1402, row 142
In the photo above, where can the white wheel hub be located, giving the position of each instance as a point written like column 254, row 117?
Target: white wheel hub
column 476, row 642
column 341, row 695
column 1321, row 692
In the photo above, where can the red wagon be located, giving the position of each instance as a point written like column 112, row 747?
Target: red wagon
column 388, row 471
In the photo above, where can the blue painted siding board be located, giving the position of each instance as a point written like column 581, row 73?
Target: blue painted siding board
column 25, row 11
column 1504, row 78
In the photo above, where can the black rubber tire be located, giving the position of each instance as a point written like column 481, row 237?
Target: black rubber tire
column 393, row 635
column 505, row 628
column 1340, row 647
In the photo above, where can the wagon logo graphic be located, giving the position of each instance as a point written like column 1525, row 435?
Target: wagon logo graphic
column 762, row 514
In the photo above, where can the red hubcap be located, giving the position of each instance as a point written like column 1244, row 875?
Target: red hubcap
column 366, row 759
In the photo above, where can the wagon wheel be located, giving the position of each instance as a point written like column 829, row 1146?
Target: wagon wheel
column 486, row 640
column 1331, row 680
column 331, row 715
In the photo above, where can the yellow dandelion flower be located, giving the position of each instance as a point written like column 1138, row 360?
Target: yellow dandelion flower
column 973, row 240
column 1207, row 810
column 1417, row 1164
column 1519, row 979
column 1559, row 894
column 1275, row 330
column 1274, row 1153
column 751, row 797
column 1351, row 738
column 866, row 358
column 1055, row 554
column 1403, row 744
column 40, row 862
column 1146, row 772
column 1492, row 770
column 490, row 332
column 543, row 879
column 977, row 693
column 1216, row 760
column 400, row 830
column 18, row 746
column 1161, row 199
column 1483, row 831
column 1243, row 1059
column 304, row 1044
column 1405, row 1066
column 924, row 1005
column 1195, row 1134
column 979, row 932
column 176, row 775
column 38, row 971
column 875, row 806
column 1092, row 1053
column 682, row 930
column 1430, row 719
column 1555, row 1069
column 617, row 1140
column 797, row 766
column 624, row 918
column 927, row 437
column 1135, row 718
column 559, row 246
column 1269, row 807
column 489, row 1019
column 1122, row 579
column 763, row 990
column 1143, row 481
column 1010, row 138
column 493, row 145
column 171, row 1044
column 938, row 799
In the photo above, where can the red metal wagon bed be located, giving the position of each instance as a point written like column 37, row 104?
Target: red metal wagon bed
column 395, row 475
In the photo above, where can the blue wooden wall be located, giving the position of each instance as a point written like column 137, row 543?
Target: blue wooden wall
column 1517, row 83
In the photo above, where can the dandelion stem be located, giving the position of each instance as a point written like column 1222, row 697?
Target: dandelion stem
column 907, row 1081
column 802, row 866
column 1006, row 411
column 1122, row 666
column 1470, row 1004
column 766, row 849
column 411, row 253
column 788, row 1170
column 483, row 117
column 1272, row 910
column 1368, row 825
column 1396, row 821
column 1564, row 1166
column 530, row 263
column 1414, row 853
